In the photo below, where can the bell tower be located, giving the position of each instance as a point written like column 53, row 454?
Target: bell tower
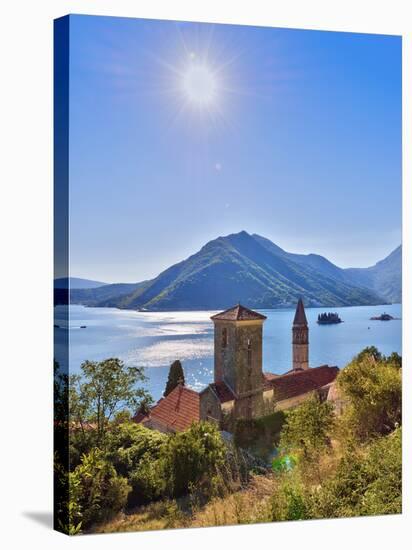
column 300, row 339
column 238, row 357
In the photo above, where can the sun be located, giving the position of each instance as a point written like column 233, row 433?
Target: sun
column 200, row 85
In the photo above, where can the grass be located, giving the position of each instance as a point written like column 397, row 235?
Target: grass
column 249, row 505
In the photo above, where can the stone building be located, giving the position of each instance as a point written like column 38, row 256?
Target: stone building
column 238, row 381
column 240, row 386
column 241, row 389
column 300, row 339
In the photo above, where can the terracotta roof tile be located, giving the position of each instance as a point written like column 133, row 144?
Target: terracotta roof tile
column 297, row 383
column 238, row 313
column 178, row 410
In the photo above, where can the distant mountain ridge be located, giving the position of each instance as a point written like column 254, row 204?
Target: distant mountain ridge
column 255, row 271
column 76, row 282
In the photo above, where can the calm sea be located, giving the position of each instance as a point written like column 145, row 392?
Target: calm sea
column 154, row 340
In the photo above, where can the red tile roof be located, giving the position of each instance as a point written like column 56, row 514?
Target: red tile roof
column 300, row 316
column 222, row 391
column 238, row 313
column 178, row 410
column 297, row 383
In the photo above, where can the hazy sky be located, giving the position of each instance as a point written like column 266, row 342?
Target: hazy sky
column 182, row 132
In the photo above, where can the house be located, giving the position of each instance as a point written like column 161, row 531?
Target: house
column 240, row 389
column 174, row 413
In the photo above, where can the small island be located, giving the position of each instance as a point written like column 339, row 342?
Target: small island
column 383, row 317
column 329, row 319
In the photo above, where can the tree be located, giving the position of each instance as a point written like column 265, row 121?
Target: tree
column 176, row 377
column 307, row 430
column 372, row 385
column 194, row 458
column 104, row 388
column 97, row 492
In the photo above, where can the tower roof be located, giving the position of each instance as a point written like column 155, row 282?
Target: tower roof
column 238, row 313
column 300, row 316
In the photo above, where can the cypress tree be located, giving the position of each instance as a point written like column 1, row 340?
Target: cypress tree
column 176, row 376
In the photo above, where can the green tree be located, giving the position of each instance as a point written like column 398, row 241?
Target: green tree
column 176, row 377
column 103, row 389
column 372, row 386
column 97, row 492
column 195, row 457
column 307, row 428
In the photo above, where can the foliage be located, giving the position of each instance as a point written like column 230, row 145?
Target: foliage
column 259, row 435
column 104, row 388
column 134, row 451
column 367, row 481
column 176, row 377
column 97, row 492
column 193, row 457
column 307, row 428
column 288, row 502
column 372, row 385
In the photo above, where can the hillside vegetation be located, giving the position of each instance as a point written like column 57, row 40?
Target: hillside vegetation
column 123, row 476
column 255, row 271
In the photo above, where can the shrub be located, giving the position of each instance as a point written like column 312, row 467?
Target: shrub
column 97, row 492
column 307, row 428
column 134, row 451
column 368, row 481
column 129, row 443
column 193, row 458
column 372, row 385
column 288, row 503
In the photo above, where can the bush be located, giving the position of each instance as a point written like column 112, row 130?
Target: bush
column 97, row 492
column 372, row 385
column 193, row 458
column 288, row 503
column 130, row 443
column 307, row 428
column 134, row 451
column 368, row 481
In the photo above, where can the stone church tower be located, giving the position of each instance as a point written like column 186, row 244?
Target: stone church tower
column 300, row 340
column 238, row 358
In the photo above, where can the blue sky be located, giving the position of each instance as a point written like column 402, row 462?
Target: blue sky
column 301, row 143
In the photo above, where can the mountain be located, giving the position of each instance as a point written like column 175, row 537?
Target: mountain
column 385, row 277
column 238, row 267
column 107, row 295
column 75, row 282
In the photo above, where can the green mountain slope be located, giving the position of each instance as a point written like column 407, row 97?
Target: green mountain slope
column 252, row 270
column 385, row 277
column 239, row 268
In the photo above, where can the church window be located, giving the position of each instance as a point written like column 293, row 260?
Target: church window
column 224, row 338
column 249, row 353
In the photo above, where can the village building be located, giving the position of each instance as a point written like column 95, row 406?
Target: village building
column 241, row 389
column 174, row 413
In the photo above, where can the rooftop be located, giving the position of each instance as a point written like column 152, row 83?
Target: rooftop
column 238, row 313
column 296, row 383
column 177, row 410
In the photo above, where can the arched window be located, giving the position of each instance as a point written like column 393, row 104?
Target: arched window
column 249, row 353
column 224, row 338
